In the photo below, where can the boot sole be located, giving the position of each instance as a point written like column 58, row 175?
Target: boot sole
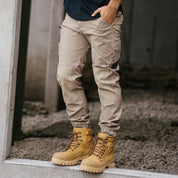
column 67, row 163
column 94, row 169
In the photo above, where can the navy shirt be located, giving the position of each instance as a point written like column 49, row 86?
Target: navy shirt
column 83, row 9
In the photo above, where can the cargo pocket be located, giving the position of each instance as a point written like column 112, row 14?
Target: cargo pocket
column 116, row 50
column 116, row 42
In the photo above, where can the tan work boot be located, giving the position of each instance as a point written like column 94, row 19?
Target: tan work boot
column 102, row 157
column 80, row 147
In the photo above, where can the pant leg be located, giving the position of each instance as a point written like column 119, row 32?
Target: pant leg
column 73, row 48
column 106, row 47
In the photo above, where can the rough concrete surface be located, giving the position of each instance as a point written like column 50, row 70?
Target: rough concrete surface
column 147, row 140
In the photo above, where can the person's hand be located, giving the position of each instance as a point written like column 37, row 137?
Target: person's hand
column 108, row 13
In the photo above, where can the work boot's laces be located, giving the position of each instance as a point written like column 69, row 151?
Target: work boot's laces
column 100, row 147
column 75, row 142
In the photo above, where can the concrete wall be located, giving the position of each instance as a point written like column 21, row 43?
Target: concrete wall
column 37, row 49
column 9, row 41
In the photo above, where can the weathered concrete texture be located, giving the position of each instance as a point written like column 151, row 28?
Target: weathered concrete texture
column 37, row 49
column 9, row 36
column 46, row 169
column 154, row 32
column 51, row 85
column 126, row 30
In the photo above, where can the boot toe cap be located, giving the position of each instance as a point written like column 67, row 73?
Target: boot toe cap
column 60, row 155
column 91, row 162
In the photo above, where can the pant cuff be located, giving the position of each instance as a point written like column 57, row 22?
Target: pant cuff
column 80, row 125
column 109, row 131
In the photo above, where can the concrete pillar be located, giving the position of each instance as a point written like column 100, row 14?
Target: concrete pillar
column 51, row 87
column 9, row 44
column 37, row 50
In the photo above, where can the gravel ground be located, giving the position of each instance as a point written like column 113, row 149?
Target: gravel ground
column 147, row 140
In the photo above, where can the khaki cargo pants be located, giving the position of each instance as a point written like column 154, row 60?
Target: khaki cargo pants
column 104, row 39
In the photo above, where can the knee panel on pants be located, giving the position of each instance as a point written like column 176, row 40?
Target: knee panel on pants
column 64, row 74
column 68, row 78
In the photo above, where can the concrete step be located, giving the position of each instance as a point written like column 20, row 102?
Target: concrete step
column 45, row 169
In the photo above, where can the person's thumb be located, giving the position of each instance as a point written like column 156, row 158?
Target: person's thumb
column 96, row 12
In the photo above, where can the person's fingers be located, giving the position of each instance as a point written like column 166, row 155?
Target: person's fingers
column 96, row 12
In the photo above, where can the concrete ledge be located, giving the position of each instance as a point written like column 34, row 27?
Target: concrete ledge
column 73, row 171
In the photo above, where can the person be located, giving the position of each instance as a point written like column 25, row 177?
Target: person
column 94, row 24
